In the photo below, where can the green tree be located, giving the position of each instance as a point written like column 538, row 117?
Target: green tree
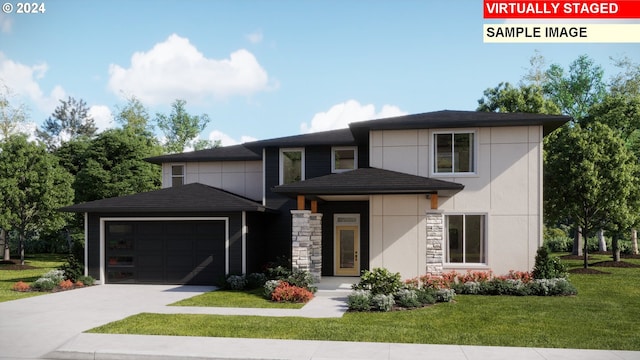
column 11, row 116
column 32, row 187
column 134, row 117
column 627, row 81
column 70, row 120
column 113, row 165
column 506, row 98
column 180, row 128
column 592, row 174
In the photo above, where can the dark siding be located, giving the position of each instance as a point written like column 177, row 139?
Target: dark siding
column 257, row 241
column 235, row 243
column 317, row 161
column 328, row 209
column 93, row 247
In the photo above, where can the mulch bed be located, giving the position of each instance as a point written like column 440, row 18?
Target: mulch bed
column 587, row 271
column 14, row 265
column 618, row 264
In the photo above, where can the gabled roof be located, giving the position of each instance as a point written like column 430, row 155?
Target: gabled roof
column 368, row 181
column 181, row 199
column 224, row 153
column 458, row 119
column 332, row 137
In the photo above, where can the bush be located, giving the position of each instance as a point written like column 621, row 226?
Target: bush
column 290, row 293
column 44, row 284
column 426, row 296
column 382, row 302
column 55, row 275
column 21, row 286
column 236, row 282
column 445, row 295
column 86, row 280
column 547, row 266
column 66, row 284
column 379, row 281
column 407, row 298
column 269, row 286
column 559, row 243
column 72, row 269
column 551, row 287
column 359, row 300
column 301, row 278
column 256, row 280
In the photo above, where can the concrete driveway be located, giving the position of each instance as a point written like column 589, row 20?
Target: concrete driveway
column 33, row 327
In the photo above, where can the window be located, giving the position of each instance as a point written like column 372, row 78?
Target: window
column 344, row 159
column 466, row 242
column 291, row 165
column 177, row 175
column 454, row 153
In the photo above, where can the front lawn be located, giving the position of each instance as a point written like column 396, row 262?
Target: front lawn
column 604, row 315
column 35, row 266
column 236, row 298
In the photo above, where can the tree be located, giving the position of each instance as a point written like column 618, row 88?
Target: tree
column 70, row 120
column 134, row 117
column 627, row 82
column 113, row 166
column 592, row 174
column 11, row 117
column 505, row 98
column 180, row 128
column 32, row 187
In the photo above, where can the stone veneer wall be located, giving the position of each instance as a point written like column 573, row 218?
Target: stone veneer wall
column 306, row 242
column 435, row 242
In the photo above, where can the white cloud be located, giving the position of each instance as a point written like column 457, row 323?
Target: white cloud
column 226, row 140
column 176, row 69
column 102, row 116
column 341, row 115
column 23, row 80
column 6, row 23
column 255, row 37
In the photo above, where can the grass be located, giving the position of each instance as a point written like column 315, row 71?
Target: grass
column 42, row 264
column 235, row 298
column 604, row 315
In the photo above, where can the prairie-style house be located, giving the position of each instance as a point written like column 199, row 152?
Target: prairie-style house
column 417, row 194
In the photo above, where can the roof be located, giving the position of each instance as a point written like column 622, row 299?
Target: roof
column 458, row 119
column 193, row 197
column 224, row 153
column 332, row 137
column 368, row 181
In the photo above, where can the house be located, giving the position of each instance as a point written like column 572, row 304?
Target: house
column 423, row 193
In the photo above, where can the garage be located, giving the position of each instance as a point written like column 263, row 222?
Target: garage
column 165, row 251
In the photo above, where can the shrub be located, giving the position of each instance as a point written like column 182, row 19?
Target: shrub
column 359, row 300
column 290, row 293
column 547, row 266
column 86, row 280
column 559, row 243
column 549, row 287
column 79, row 284
column 72, row 269
column 269, row 286
column 445, row 295
column 66, row 284
column 236, row 282
column 21, row 286
column 407, row 298
column 55, row 275
column 379, row 281
column 44, row 284
column 426, row 296
column 382, row 302
column 301, row 278
column 256, row 280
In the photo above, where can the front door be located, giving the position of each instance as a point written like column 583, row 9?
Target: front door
column 347, row 245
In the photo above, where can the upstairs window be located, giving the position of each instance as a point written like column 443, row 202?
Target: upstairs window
column 454, row 153
column 466, row 240
column 344, row 159
column 177, row 175
column 291, row 165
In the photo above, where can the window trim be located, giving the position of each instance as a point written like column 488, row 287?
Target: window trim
column 333, row 158
column 484, row 245
column 183, row 176
column 281, row 163
column 433, row 153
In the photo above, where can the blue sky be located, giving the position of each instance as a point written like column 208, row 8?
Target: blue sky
column 264, row 69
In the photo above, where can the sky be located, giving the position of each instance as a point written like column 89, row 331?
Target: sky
column 265, row 69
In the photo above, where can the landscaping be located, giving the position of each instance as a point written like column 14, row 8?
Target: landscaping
column 602, row 316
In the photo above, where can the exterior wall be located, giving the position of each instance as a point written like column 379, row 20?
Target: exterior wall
column 398, row 239
column 507, row 188
column 243, row 178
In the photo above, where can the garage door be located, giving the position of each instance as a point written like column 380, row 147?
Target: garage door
column 165, row 252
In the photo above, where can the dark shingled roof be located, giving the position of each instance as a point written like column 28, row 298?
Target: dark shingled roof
column 225, row 153
column 366, row 181
column 332, row 137
column 458, row 119
column 187, row 198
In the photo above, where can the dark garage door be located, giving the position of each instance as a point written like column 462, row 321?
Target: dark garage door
column 165, row 252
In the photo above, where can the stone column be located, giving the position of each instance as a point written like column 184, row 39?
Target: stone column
column 306, row 242
column 435, row 242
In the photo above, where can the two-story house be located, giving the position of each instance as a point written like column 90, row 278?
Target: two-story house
column 417, row 194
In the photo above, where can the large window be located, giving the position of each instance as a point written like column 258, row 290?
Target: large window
column 466, row 239
column 344, row 159
column 177, row 175
column 454, row 153
column 291, row 165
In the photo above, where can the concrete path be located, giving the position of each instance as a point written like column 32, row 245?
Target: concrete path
column 51, row 326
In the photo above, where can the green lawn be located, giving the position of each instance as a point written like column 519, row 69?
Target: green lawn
column 231, row 298
column 42, row 263
column 604, row 315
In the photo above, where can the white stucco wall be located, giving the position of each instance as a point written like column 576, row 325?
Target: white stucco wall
column 243, row 178
column 507, row 188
